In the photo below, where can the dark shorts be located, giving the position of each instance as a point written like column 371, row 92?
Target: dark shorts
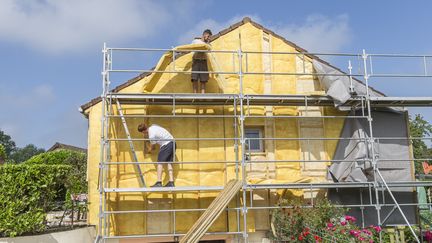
column 166, row 153
column 199, row 65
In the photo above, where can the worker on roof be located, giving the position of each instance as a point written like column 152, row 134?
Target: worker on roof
column 199, row 63
column 159, row 135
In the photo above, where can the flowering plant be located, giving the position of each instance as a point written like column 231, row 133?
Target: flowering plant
column 322, row 222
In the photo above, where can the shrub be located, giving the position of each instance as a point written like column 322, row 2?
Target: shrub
column 322, row 222
column 292, row 221
column 75, row 181
column 26, row 194
column 3, row 156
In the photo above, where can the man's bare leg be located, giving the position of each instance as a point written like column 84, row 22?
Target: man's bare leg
column 203, row 87
column 159, row 172
column 170, row 172
column 195, row 86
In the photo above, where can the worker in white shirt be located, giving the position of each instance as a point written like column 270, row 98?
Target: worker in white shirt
column 159, row 135
column 199, row 63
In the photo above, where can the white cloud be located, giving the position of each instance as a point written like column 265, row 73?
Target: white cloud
column 318, row 33
column 59, row 26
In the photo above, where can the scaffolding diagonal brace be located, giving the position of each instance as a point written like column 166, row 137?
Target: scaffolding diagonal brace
column 131, row 145
column 397, row 205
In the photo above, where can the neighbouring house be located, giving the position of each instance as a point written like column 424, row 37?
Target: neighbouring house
column 274, row 128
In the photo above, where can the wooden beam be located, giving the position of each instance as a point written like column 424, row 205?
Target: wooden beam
column 197, row 231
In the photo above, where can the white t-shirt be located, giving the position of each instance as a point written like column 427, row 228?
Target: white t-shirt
column 158, row 134
column 198, row 41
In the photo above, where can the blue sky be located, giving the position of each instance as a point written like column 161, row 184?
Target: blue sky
column 51, row 60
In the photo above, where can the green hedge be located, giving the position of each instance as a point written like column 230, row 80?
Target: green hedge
column 27, row 192
column 76, row 179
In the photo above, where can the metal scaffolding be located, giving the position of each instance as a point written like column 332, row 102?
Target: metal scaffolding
column 240, row 103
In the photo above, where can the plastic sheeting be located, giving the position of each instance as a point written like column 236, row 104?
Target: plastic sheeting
column 391, row 151
column 390, row 125
column 351, row 153
column 339, row 86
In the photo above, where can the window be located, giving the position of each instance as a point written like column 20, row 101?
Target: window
column 253, row 139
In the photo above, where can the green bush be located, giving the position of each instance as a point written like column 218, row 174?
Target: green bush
column 3, row 156
column 75, row 181
column 27, row 192
column 321, row 223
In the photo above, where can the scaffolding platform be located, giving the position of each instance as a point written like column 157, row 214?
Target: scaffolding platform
column 337, row 185
column 166, row 189
column 263, row 100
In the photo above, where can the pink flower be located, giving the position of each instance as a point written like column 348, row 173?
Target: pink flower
column 428, row 235
column 350, row 218
column 330, row 225
column 343, row 223
column 354, row 232
column 377, row 228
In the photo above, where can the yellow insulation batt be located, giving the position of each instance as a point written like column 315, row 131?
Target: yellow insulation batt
column 247, row 37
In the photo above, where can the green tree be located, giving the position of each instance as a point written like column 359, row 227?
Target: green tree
column 23, row 154
column 420, row 128
column 7, row 142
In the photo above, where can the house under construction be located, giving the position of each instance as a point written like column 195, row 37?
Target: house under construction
column 277, row 119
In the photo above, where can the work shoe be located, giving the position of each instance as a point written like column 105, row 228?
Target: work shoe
column 170, row 184
column 157, row 184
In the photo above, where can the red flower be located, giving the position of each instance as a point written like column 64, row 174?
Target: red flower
column 300, row 238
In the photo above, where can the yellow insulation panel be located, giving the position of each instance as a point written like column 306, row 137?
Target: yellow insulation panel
column 222, row 130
